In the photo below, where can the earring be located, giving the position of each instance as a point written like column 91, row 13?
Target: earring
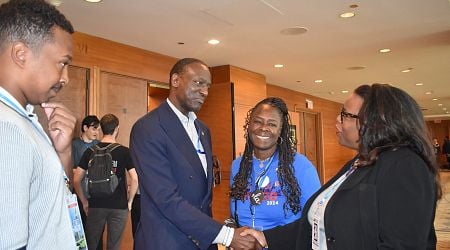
column 280, row 141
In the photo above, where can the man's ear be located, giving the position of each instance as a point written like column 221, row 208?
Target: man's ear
column 19, row 53
column 175, row 80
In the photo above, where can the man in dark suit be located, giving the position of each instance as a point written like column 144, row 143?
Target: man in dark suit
column 172, row 152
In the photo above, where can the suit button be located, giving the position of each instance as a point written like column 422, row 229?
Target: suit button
column 191, row 177
column 331, row 239
column 201, row 207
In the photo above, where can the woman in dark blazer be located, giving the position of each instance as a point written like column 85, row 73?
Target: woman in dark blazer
column 384, row 198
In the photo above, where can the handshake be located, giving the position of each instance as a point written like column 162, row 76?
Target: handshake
column 246, row 238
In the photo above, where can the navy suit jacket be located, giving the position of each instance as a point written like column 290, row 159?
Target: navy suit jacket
column 176, row 195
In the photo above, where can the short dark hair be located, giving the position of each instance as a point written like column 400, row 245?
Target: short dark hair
column 90, row 120
column 109, row 123
column 180, row 66
column 31, row 22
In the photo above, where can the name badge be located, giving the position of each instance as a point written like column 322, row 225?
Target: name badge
column 315, row 233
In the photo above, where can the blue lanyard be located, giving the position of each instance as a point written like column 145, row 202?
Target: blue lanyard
column 21, row 111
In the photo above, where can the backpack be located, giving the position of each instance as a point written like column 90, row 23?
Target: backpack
column 100, row 179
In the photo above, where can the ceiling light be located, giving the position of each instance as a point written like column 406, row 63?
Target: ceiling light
column 356, row 67
column 407, row 70
column 213, row 42
column 331, row 92
column 318, row 81
column 278, row 65
column 298, row 81
column 435, row 99
column 385, row 50
column 56, row 2
column 347, row 15
column 428, row 93
column 353, row 6
column 440, row 104
column 344, row 91
column 93, row 1
column 180, row 43
column 294, row 31
column 419, row 84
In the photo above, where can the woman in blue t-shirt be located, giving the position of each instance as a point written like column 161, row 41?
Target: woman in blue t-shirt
column 271, row 182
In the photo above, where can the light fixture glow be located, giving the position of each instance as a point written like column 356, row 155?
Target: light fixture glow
column 213, row 41
column 93, row 1
column 318, row 81
column 344, row 91
column 278, row 65
column 419, row 84
column 440, row 104
column 435, row 99
column 407, row 70
column 385, row 50
column 347, row 15
column 428, row 93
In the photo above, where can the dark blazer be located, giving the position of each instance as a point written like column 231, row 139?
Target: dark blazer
column 390, row 205
column 176, row 196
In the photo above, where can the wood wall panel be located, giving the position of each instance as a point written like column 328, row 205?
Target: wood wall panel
column 90, row 51
column 249, row 87
column 156, row 96
column 334, row 156
column 126, row 98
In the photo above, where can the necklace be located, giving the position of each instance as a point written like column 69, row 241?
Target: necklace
column 262, row 162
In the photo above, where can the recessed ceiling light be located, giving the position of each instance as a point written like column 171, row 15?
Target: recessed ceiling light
column 331, row 92
column 344, row 91
column 93, row 1
column 428, row 93
column 444, row 109
column 278, row 65
column 347, row 15
column 353, row 6
column 419, row 84
column 407, row 70
column 213, row 41
column 435, row 99
column 318, row 81
column 294, row 31
column 385, row 50
column 440, row 104
column 56, row 2
column 356, row 67
column 180, row 43
column 298, row 81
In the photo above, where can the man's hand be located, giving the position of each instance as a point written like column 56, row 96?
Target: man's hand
column 259, row 236
column 61, row 123
column 85, row 206
column 242, row 242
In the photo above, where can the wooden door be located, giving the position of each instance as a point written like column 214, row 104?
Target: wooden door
column 310, row 138
column 126, row 98
column 73, row 95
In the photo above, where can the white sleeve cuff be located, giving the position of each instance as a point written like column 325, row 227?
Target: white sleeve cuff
column 225, row 236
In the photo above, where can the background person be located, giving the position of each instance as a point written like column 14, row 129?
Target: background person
column 384, row 198
column 35, row 50
column 270, row 168
column 113, row 210
column 172, row 152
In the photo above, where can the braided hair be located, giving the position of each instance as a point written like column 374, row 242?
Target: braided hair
column 286, row 153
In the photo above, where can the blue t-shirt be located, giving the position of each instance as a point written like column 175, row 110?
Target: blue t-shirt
column 270, row 212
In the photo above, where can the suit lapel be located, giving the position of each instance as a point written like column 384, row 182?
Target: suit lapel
column 176, row 132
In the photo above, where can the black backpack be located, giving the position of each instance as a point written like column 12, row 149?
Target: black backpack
column 101, row 180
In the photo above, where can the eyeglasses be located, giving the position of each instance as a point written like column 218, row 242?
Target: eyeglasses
column 347, row 115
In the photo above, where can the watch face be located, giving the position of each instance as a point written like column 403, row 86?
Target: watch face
column 256, row 197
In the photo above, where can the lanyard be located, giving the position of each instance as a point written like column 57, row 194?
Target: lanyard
column 21, row 111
